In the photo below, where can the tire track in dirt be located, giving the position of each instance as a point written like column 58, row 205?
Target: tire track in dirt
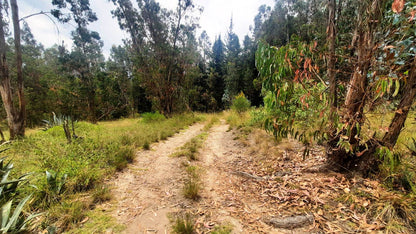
column 219, row 150
column 150, row 188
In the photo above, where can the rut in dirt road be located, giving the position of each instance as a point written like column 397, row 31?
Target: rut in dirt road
column 150, row 188
column 219, row 150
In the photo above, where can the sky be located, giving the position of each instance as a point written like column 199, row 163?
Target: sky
column 215, row 19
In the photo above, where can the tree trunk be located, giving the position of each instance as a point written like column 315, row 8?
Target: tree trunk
column 331, row 32
column 15, row 118
column 21, row 115
column 409, row 94
column 356, row 96
column 356, row 157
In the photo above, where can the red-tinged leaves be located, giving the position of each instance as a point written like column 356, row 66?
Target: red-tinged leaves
column 296, row 76
column 412, row 15
column 397, row 6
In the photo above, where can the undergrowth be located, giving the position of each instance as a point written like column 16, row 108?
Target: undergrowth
column 79, row 168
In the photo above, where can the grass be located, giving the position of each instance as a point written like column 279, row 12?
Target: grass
column 191, row 189
column 101, row 150
column 189, row 149
column 183, row 224
column 222, row 229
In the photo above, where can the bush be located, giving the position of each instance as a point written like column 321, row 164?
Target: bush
column 240, row 103
column 152, row 117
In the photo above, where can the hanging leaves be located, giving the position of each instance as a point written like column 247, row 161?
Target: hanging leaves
column 287, row 73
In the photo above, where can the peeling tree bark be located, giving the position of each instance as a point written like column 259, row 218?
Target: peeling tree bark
column 353, row 111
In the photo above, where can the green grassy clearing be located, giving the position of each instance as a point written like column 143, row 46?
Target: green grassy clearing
column 101, row 150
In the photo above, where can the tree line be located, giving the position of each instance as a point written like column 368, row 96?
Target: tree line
column 162, row 66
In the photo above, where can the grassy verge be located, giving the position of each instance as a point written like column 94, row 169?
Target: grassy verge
column 81, row 166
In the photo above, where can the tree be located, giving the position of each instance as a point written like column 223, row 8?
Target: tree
column 382, row 59
column 15, row 115
column 86, row 57
column 233, row 77
column 217, row 72
column 163, row 44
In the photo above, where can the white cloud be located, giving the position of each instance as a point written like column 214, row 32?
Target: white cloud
column 215, row 19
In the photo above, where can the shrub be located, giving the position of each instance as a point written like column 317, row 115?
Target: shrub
column 152, row 117
column 240, row 103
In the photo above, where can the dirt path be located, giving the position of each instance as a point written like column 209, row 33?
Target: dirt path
column 219, row 150
column 150, row 190
column 151, row 187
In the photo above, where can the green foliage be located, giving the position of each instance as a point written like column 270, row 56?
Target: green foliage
column 240, row 103
column 14, row 222
column 294, row 100
column 105, row 148
column 397, row 174
column 12, row 218
column 146, row 146
column 101, row 194
column 53, row 189
column 152, row 117
column 257, row 117
column 191, row 189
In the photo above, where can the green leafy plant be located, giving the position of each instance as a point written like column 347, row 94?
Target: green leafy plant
column 54, row 183
column 11, row 218
column 291, row 89
column 14, row 222
column 240, row 103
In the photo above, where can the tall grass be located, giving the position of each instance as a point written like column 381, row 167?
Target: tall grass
column 101, row 150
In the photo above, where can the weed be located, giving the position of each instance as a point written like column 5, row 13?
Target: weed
column 191, row 189
column 193, row 171
column 184, row 224
column 190, row 148
column 101, row 194
column 68, row 213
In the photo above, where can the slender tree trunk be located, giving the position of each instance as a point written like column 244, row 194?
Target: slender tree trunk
column 21, row 115
column 409, row 94
column 331, row 32
column 15, row 118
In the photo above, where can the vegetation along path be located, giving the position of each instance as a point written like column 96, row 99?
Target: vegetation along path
column 150, row 188
column 150, row 192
